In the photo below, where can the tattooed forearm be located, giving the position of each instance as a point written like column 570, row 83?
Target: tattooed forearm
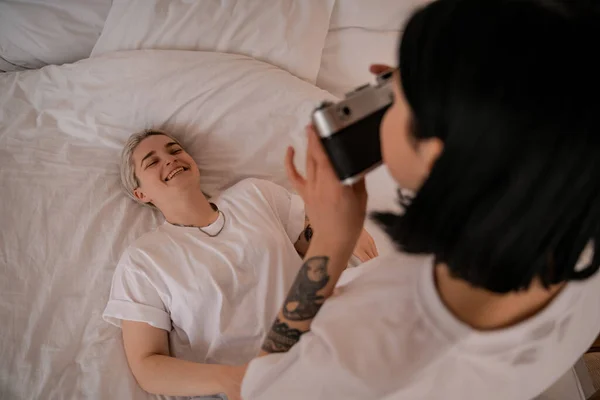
column 281, row 338
column 301, row 305
column 302, row 302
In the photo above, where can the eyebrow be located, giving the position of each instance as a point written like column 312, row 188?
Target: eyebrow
column 150, row 154
column 147, row 155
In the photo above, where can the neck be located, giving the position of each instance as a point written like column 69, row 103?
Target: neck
column 485, row 310
column 190, row 208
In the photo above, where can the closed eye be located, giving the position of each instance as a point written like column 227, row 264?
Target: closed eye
column 176, row 151
column 151, row 163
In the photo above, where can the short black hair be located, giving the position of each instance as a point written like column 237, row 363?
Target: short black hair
column 512, row 89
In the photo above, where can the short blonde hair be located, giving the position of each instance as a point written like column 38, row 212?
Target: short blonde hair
column 129, row 181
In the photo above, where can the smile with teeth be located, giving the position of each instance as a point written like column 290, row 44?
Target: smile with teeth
column 175, row 172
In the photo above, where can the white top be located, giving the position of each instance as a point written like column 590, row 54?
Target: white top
column 217, row 296
column 387, row 335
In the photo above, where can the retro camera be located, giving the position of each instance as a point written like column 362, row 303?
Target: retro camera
column 349, row 129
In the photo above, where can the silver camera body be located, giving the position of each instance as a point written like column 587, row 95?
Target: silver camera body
column 349, row 129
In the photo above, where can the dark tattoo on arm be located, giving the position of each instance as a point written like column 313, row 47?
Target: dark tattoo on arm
column 304, row 238
column 308, row 233
column 302, row 303
column 281, row 337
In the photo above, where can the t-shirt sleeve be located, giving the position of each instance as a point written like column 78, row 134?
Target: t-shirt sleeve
column 309, row 370
column 134, row 298
column 289, row 207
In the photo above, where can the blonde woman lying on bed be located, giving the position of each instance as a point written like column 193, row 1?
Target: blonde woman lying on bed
column 195, row 296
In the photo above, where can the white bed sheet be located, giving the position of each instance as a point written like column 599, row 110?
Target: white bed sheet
column 64, row 219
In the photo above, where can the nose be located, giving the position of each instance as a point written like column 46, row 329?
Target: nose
column 170, row 159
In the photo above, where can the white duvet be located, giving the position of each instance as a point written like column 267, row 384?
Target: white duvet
column 64, row 219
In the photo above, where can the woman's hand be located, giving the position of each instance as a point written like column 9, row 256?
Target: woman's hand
column 365, row 247
column 337, row 212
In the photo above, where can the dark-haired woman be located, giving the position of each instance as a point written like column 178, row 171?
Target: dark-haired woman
column 495, row 291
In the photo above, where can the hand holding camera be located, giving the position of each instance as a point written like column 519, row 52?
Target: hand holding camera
column 345, row 148
column 349, row 129
column 336, row 212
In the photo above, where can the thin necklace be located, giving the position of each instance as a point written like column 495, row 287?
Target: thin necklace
column 215, row 208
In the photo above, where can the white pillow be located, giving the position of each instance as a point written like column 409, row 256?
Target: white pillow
column 361, row 33
column 348, row 54
column 287, row 33
column 34, row 33
column 380, row 15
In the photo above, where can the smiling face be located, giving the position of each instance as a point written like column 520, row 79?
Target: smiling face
column 164, row 170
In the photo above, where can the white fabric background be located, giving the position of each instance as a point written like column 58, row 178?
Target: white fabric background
column 287, row 33
column 349, row 52
column 378, row 15
column 361, row 33
column 34, row 33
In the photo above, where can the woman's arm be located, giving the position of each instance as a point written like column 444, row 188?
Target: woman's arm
column 324, row 263
column 147, row 350
column 338, row 213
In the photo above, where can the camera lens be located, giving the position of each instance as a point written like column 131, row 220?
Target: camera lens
column 346, row 111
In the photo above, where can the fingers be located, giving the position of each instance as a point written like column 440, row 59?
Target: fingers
column 374, row 252
column 366, row 251
column 297, row 181
column 373, row 245
column 379, row 68
column 362, row 256
column 318, row 155
column 315, row 146
column 370, row 253
column 370, row 246
column 360, row 187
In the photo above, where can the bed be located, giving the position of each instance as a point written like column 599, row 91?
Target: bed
column 235, row 83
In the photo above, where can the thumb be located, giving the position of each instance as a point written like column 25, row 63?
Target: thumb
column 360, row 188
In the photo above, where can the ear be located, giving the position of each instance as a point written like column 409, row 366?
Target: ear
column 430, row 150
column 141, row 196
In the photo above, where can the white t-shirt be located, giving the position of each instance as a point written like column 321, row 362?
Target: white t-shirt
column 387, row 335
column 217, row 296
